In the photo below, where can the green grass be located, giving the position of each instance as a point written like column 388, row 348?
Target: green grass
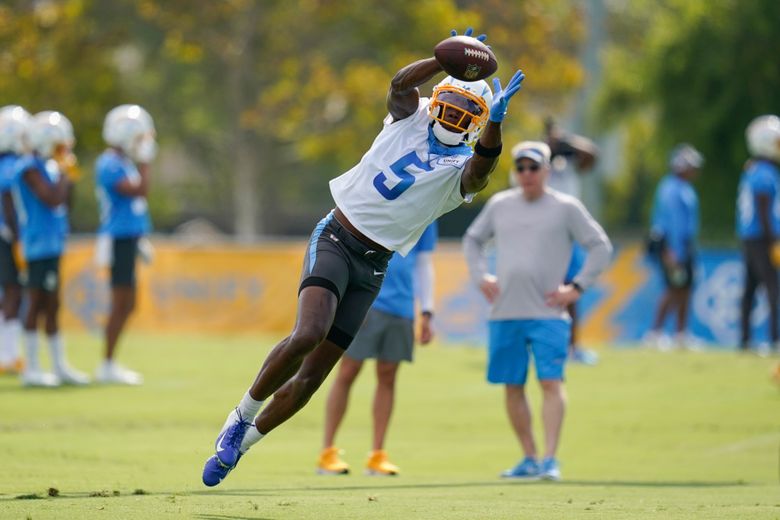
column 647, row 435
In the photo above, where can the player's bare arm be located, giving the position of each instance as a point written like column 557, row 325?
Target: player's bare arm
column 403, row 96
column 50, row 194
column 135, row 188
column 488, row 147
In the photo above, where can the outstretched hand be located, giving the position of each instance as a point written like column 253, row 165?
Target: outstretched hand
column 469, row 32
column 501, row 97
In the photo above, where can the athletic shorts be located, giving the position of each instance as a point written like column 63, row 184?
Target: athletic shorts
column 338, row 261
column 384, row 337
column 9, row 273
column 123, row 257
column 512, row 342
column 44, row 274
column 578, row 254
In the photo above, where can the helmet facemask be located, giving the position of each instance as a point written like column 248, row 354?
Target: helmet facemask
column 468, row 114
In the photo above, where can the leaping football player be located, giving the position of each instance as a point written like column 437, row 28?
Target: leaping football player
column 420, row 166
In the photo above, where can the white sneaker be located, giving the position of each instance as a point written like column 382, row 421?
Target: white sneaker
column 114, row 373
column 657, row 340
column 689, row 342
column 39, row 378
column 71, row 376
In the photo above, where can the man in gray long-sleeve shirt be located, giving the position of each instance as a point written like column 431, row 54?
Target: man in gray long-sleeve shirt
column 534, row 228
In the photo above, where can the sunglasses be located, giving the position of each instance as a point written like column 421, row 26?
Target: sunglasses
column 532, row 168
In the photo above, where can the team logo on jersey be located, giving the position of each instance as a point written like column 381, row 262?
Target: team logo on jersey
column 452, row 160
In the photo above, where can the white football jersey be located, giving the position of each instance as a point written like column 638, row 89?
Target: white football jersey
column 400, row 186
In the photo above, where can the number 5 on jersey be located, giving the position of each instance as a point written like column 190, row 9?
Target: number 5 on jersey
column 400, row 170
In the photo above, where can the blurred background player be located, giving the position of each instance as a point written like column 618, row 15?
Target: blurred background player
column 419, row 167
column 675, row 226
column 534, row 229
column 122, row 180
column 41, row 193
column 14, row 143
column 387, row 335
column 758, row 221
column 571, row 155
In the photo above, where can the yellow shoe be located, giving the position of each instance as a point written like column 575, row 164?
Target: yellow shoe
column 330, row 462
column 13, row 368
column 378, row 465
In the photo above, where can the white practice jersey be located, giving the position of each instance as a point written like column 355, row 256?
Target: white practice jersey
column 400, row 186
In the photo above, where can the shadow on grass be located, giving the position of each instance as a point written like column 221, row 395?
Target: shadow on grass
column 228, row 517
column 498, row 483
column 384, row 485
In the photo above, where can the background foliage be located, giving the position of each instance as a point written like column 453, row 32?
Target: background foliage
column 259, row 104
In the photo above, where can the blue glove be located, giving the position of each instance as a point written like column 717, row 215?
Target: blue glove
column 501, row 97
column 469, row 32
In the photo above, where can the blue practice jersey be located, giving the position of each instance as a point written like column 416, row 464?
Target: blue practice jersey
column 121, row 216
column 676, row 215
column 7, row 176
column 397, row 294
column 759, row 178
column 42, row 229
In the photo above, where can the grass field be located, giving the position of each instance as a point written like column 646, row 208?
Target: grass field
column 647, row 435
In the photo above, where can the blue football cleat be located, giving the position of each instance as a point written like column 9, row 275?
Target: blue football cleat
column 215, row 472
column 527, row 468
column 228, row 441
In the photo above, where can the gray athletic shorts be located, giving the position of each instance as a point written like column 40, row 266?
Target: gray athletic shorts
column 384, row 337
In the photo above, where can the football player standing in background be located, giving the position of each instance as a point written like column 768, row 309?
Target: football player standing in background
column 14, row 142
column 534, row 229
column 41, row 192
column 758, row 221
column 387, row 336
column 675, row 223
column 122, row 182
column 571, row 155
column 419, row 167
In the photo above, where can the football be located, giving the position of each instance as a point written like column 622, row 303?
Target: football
column 465, row 58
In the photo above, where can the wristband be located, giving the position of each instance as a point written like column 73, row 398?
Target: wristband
column 577, row 287
column 487, row 152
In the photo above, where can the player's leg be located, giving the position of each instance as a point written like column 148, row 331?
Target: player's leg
column 33, row 374
column 330, row 462
column 123, row 299
column 767, row 275
column 63, row 370
column 549, row 339
column 748, row 294
column 333, row 331
column 519, row 412
column 10, row 357
column 395, row 344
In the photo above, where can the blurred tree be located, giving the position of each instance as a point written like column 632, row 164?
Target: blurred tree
column 259, row 104
column 695, row 71
column 57, row 55
column 286, row 95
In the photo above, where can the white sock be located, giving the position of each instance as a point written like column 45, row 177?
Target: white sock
column 251, row 438
column 57, row 351
column 33, row 363
column 249, row 407
column 13, row 328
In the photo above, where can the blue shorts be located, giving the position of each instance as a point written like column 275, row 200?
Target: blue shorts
column 578, row 255
column 512, row 341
